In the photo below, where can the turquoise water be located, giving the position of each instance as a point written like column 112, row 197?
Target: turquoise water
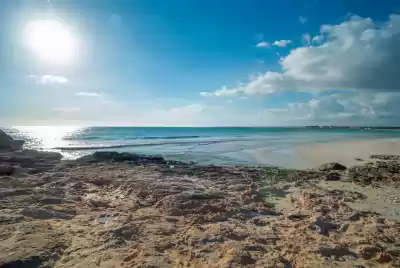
column 218, row 145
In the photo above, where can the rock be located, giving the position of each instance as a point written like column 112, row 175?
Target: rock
column 336, row 252
column 383, row 257
column 200, row 195
column 42, row 155
column 270, row 238
column 332, row 166
column 6, row 170
column 49, row 177
column 99, row 203
column 344, row 227
column 17, row 159
column 240, row 258
column 306, row 199
column 34, row 160
column 322, row 225
column 7, row 143
column 186, row 204
column 394, row 252
column 51, row 200
column 171, row 219
column 121, row 157
column 126, row 232
column 254, row 248
column 386, row 157
column 376, row 173
column 33, row 261
column 7, row 218
column 333, row 176
column 368, row 251
column 73, row 198
column 99, row 181
column 14, row 192
column 41, row 213
column 296, row 216
column 359, row 214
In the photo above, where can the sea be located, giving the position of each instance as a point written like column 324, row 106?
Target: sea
column 201, row 145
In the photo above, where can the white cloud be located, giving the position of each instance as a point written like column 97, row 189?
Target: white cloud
column 317, row 40
column 344, row 109
column 282, row 43
column 223, row 92
column 302, row 20
column 206, row 94
column 89, row 94
column 357, row 54
column 48, row 79
column 263, row 44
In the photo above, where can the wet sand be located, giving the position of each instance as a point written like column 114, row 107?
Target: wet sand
column 348, row 153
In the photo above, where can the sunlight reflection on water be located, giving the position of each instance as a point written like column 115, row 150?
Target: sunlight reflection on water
column 44, row 137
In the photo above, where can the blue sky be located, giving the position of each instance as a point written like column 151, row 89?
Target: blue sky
column 192, row 62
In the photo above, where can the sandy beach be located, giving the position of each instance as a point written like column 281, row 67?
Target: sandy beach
column 348, row 153
column 111, row 209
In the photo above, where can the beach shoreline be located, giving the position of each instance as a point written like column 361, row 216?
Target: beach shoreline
column 347, row 152
column 219, row 146
column 111, row 209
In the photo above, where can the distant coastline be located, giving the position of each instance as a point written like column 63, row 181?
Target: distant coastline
column 353, row 127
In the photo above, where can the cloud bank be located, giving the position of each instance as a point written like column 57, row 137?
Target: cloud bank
column 358, row 54
column 348, row 109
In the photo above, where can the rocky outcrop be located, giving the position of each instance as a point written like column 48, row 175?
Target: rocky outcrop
column 332, row 176
column 386, row 157
column 7, row 143
column 332, row 166
column 376, row 173
column 114, row 209
column 124, row 157
column 6, row 170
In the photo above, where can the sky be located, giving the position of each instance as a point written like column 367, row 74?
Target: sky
column 199, row 62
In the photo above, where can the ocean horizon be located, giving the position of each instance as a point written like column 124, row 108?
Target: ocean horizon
column 202, row 145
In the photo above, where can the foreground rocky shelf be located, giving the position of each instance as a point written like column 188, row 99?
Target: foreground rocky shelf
column 124, row 210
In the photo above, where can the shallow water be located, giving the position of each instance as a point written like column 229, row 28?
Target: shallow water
column 218, row 145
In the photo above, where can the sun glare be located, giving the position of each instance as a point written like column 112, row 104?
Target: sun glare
column 51, row 41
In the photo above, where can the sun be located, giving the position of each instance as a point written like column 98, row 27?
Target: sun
column 51, row 41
